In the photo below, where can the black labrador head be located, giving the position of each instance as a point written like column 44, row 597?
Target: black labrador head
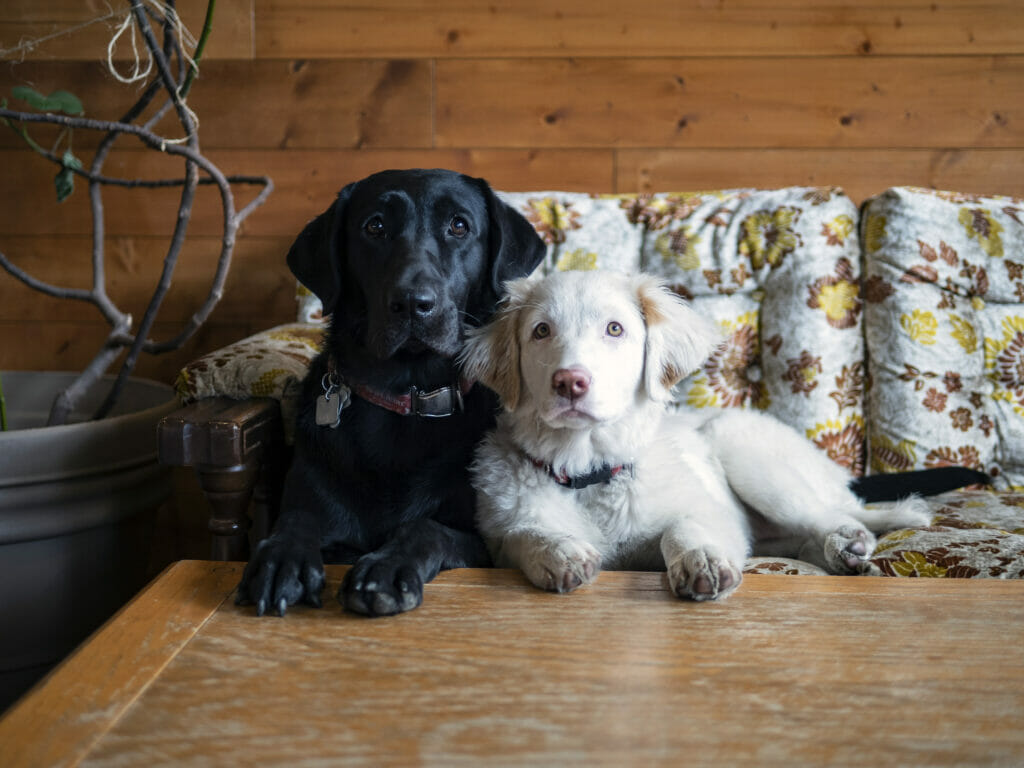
column 404, row 259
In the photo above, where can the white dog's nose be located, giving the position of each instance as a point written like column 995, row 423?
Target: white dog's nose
column 572, row 383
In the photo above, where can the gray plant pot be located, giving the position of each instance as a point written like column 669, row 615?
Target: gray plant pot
column 77, row 506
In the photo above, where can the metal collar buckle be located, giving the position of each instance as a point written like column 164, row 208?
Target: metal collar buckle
column 438, row 403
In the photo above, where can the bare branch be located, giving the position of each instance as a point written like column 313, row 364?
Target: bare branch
column 184, row 209
column 121, row 335
column 65, row 402
column 38, row 285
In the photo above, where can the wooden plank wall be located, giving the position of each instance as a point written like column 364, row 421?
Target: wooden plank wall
column 535, row 94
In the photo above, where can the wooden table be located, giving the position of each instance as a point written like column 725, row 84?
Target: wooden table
column 791, row 670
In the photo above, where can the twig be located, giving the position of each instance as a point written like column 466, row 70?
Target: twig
column 44, row 288
column 184, row 210
column 121, row 335
column 193, row 71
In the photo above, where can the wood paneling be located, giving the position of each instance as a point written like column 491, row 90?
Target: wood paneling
column 762, row 103
column 860, row 172
column 531, row 28
column 305, row 184
column 259, row 104
column 53, row 346
column 82, row 29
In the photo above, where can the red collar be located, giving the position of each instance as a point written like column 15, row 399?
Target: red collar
column 440, row 402
column 602, row 474
column 437, row 403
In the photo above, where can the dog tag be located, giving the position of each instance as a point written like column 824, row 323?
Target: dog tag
column 328, row 409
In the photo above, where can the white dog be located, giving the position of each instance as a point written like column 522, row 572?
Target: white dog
column 588, row 468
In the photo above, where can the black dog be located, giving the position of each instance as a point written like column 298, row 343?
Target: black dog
column 402, row 261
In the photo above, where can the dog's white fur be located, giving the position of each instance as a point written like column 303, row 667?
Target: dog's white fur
column 703, row 488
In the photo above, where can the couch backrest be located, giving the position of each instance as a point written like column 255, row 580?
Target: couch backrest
column 944, row 318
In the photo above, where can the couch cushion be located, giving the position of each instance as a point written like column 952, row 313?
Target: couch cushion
column 586, row 231
column 267, row 364
column 778, row 270
column 781, row 566
column 944, row 316
column 973, row 534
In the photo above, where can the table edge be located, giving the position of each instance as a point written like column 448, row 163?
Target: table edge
column 45, row 727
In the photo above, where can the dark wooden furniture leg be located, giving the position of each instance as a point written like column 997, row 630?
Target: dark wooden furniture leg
column 237, row 450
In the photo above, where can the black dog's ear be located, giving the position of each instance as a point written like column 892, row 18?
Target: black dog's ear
column 316, row 255
column 515, row 248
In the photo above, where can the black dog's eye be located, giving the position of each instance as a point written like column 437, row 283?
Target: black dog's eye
column 458, row 227
column 541, row 331
column 374, row 227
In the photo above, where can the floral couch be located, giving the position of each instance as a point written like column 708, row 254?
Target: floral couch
column 892, row 336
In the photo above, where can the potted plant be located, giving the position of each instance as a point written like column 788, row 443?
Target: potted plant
column 79, row 481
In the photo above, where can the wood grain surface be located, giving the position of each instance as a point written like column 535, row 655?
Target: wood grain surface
column 767, row 103
column 530, row 28
column 88, row 692
column 788, row 671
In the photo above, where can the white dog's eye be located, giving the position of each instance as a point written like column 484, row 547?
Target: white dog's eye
column 541, row 331
column 614, row 329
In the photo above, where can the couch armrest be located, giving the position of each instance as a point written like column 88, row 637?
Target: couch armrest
column 238, row 452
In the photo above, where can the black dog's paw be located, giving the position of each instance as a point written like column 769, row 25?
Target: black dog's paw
column 381, row 586
column 280, row 573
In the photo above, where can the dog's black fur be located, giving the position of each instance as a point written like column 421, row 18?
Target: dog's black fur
column 402, row 261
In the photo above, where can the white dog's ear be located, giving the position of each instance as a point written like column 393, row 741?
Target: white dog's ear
column 491, row 353
column 678, row 338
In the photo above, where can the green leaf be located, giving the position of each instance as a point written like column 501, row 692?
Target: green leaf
column 35, row 99
column 66, row 102
column 58, row 101
column 64, row 181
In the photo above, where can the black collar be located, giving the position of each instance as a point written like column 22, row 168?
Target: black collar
column 602, row 474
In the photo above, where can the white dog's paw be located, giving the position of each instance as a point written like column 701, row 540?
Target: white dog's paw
column 847, row 549
column 703, row 575
column 563, row 565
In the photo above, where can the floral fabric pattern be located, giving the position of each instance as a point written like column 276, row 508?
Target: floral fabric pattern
column 781, row 566
column 973, row 534
column 944, row 316
column 779, row 271
column 589, row 232
column 311, row 310
column 268, row 364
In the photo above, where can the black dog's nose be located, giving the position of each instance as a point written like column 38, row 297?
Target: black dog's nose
column 418, row 302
